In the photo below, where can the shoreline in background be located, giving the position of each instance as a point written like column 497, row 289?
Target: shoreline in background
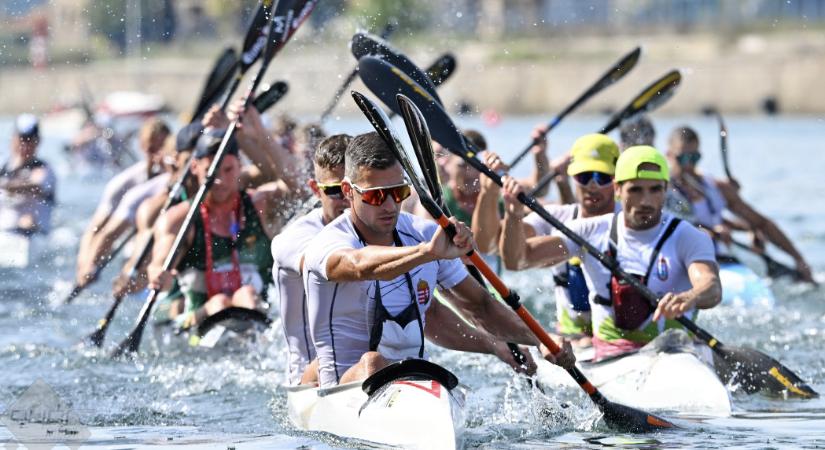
column 517, row 76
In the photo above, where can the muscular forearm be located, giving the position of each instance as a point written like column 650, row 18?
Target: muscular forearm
column 565, row 191
column 377, row 262
column 447, row 329
column 706, row 291
column 779, row 239
column 512, row 242
column 541, row 167
column 485, row 224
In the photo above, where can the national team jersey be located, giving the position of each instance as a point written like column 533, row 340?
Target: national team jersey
column 287, row 253
column 685, row 246
column 130, row 202
column 341, row 313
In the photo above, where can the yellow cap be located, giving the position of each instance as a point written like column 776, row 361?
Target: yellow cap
column 593, row 153
column 627, row 167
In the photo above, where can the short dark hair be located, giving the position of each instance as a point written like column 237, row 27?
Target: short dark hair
column 367, row 150
column 476, row 138
column 685, row 134
column 331, row 151
column 637, row 132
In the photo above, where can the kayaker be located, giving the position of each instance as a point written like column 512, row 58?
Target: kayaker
column 288, row 254
column 639, row 131
column 151, row 139
column 593, row 166
column 27, row 183
column 702, row 199
column 225, row 259
column 370, row 276
column 674, row 258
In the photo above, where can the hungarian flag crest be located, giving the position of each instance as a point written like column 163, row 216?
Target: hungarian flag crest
column 423, row 292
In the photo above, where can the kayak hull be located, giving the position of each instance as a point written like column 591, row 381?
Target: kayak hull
column 671, row 374
column 741, row 286
column 409, row 412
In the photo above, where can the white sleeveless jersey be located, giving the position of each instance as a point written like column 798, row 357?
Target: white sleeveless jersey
column 564, row 213
column 340, row 314
column 685, row 246
column 287, row 251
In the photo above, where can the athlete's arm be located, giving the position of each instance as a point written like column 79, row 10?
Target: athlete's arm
column 166, row 230
column 447, row 329
column 759, row 222
column 541, row 164
column 486, row 222
column 483, row 311
column 705, row 293
column 517, row 251
column 376, row 262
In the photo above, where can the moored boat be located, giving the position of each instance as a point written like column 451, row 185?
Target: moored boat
column 671, row 373
column 410, row 404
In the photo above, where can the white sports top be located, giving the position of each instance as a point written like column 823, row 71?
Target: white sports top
column 341, row 314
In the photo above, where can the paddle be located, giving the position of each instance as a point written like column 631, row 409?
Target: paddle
column 365, row 44
column 752, row 369
column 616, row 73
column 385, row 33
column 219, row 77
column 441, row 69
column 286, row 18
column 615, row 415
column 254, row 43
column 649, row 99
column 77, row 289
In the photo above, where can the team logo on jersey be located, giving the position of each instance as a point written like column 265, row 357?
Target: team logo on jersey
column 423, row 292
column 662, row 270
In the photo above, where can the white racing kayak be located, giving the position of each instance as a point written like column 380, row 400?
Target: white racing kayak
column 670, row 374
column 741, row 286
column 410, row 404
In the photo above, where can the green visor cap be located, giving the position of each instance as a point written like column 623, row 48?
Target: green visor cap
column 630, row 161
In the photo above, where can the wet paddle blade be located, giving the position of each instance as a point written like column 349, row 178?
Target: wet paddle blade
column 626, row 419
column 270, row 96
column 217, row 82
column 755, row 372
column 652, row 97
column 442, row 69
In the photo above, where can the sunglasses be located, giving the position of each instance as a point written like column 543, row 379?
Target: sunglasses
column 378, row 195
column 331, row 190
column 601, row 179
column 686, row 159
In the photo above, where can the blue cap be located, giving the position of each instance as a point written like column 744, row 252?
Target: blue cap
column 209, row 143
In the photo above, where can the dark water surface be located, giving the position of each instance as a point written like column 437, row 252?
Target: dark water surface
column 231, row 397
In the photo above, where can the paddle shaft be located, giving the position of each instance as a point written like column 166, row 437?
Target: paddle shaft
column 385, row 33
column 77, row 289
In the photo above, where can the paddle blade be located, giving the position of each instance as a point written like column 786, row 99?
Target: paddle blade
column 422, row 146
column 270, row 95
column 287, row 17
column 441, row 69
column 755, row 371
column 627, row 419
column 648, row 100
column 256, row 34
column 365, row 44
column 222, row 72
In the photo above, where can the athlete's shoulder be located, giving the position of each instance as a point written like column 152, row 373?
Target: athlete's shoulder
column 419, row 229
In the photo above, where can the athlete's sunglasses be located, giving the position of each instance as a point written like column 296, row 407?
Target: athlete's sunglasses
column 378, row 195
column 584, row 178
column 688, row 159
column 331, row 190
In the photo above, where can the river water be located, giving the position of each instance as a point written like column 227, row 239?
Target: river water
column 231, row 397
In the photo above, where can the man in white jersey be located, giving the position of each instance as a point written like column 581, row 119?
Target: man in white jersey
column 674, row 258
column 592, row 167
column 370, row 276
column 27, row 183
column 288, row 254
column 702, row 199
column 151, row 139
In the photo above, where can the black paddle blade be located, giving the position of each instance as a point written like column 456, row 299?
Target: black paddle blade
column 648, row 100
column 627, row 419
column 233, row 313
column 365, row 44
column 422, row 146
column 130, row 345
column 224, row 69
column 441, row 69
column 270, row 96
column 386, row 81
column 755, row 372
column 256, row 35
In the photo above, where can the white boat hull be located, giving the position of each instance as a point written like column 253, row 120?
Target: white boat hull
column 666, row 375
column 19, row 251
column 741, row 286
column 409, row 413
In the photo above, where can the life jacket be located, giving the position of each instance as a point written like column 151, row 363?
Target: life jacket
column 224, row 281
column 630, row 308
